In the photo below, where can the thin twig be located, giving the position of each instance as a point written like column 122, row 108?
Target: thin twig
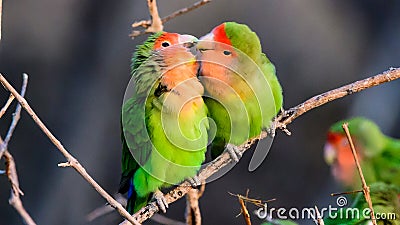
column 15, row 118
column 156, row 24
column 71, row 161
column 256, row 202
column 346, row 193
column 364, row 184
column 8, row 103
column 282, row 120
column 245, row 212
column 17, row 114
column 193, row 214
column 243, row 207
column 318, row 220
column 153, row 25
column 11, row 169
column 16, row 192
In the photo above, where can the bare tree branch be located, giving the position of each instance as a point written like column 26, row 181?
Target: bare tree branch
column 71, row 161
column 365, row 187
column 318, row 100
column 156, row 24
column 282, row 121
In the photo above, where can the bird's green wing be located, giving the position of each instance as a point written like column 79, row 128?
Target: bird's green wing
column 387, row 164
column 135, row 150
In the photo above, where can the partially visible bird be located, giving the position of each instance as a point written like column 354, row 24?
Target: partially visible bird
column 379, row 155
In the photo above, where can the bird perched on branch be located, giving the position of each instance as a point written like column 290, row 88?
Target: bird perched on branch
column 164, row 119
column 379, row 155
column 243, row 93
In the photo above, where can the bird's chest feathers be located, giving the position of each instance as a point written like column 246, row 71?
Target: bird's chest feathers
column 182, row 95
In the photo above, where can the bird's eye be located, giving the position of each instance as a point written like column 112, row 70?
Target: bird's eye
column 165, row 44
column 226, row 52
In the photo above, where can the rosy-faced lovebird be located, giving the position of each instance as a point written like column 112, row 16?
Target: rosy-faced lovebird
column 242, row 91
column 164, row 119
column 379, row 155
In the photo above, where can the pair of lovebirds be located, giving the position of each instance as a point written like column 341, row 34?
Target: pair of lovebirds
column 178, row 83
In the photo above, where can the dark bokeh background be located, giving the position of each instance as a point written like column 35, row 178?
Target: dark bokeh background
column 77, row 54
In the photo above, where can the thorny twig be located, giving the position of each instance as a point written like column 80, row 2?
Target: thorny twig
column 11, row 170
column 156, row 24
column 71, row 161
column 365, row 187
column 282, row 121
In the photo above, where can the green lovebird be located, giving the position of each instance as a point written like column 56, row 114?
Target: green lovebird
column 379, row 155
column 243, row 93
column 386, row 205
column 164, row 120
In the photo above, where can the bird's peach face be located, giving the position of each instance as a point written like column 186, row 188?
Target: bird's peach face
column 338, row 155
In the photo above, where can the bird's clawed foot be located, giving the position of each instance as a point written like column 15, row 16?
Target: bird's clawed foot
column 162, row 203
column 194, row 181
column 234, row 152
column 280, row 122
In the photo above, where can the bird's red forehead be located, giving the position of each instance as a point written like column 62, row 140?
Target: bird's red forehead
column 335, row 137
column 172, row 38
column 220, row 35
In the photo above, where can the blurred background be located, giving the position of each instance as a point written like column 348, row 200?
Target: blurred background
column 77, row 54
